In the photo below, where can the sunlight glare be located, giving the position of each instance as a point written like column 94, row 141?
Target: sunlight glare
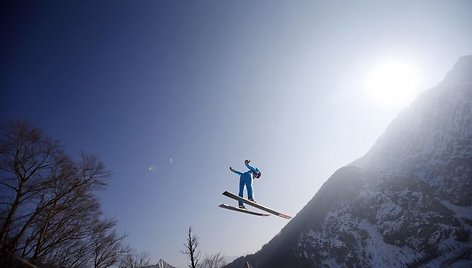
column 392, row 84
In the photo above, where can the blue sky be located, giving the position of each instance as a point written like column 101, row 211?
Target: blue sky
column 169, row 94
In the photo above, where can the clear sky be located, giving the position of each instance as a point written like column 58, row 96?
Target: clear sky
column 169, row 94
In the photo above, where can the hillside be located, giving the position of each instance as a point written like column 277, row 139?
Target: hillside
column 407, row 202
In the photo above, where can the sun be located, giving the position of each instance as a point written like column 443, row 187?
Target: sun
column 392, row 83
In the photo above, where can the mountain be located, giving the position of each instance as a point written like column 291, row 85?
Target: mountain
column 160, row 264
column 406, row 203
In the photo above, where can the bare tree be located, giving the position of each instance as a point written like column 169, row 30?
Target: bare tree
column 107, row 249
column 70, row 213
column 214, row 261
column 26, row 158
column 191, row 251
column 134, row 260
column 48, row 210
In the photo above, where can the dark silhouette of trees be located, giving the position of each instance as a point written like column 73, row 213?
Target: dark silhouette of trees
column 214, row 261
column 133, row 259
column 191, row 251
column 48, row 211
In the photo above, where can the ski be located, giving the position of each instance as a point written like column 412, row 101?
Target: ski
column 256, row 205
column 242, row 210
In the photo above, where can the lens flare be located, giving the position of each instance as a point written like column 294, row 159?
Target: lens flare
column 393, row 84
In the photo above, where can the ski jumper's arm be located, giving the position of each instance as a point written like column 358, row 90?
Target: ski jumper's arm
column 235, row 171
column 253, row 169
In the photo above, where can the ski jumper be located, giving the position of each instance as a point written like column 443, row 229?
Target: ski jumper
column 246, row 179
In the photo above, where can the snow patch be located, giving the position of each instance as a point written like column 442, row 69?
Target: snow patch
column 383, row 254
column 464, row 212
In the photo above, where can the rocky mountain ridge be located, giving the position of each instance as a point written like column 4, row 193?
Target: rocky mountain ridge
column 406, row 203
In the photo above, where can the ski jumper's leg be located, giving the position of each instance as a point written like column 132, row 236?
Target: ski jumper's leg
column 250, row 194
column 241, row 189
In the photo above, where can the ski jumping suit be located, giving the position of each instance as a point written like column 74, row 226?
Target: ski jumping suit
column 246, row 179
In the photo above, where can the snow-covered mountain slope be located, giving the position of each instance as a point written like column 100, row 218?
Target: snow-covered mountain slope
column 407, row 202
